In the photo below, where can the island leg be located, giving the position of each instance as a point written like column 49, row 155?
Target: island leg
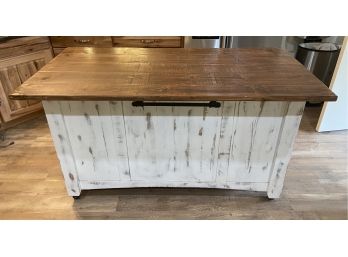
column 63, row 147
column 286, row 139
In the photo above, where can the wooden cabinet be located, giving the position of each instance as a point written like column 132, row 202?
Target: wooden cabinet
column 14, row 70
column 60, row 43
column 146, row 41
column 81, row 41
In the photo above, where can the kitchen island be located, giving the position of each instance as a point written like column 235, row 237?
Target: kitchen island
column 216, row 118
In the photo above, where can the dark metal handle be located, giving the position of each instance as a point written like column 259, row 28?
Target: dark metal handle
column 205, row 37
column 211, row 104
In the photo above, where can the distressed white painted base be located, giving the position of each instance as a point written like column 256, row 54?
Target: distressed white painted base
column 107, row 144
column 126, row 184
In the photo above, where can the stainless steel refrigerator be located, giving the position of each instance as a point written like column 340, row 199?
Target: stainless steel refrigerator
column 234, row 42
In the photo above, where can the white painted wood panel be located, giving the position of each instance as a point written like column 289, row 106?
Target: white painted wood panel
column 117, row 118
column 172, row 143
column 63, row 146
column 285, row 142
column 334, row 115
column 248, row 138
column 85, row 185
column 96, row 146
column 242, row 145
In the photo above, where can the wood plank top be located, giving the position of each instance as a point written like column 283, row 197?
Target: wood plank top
column 174, row 74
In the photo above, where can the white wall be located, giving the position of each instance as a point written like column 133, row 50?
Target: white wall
column 334, row 115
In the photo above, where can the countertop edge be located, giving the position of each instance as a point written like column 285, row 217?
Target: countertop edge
column 327, row 98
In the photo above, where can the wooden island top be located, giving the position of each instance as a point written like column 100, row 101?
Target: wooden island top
column 176, row 74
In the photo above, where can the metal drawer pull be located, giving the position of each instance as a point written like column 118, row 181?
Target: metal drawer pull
column 83, row 41
column 149, row 41
column 211, row 104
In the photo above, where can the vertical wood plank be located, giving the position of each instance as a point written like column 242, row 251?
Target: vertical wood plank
column 10, row 81
column 172, row 143
column 248, row 139
column 163, row 131
column 63, row 147
column 225, row 140
column 286, row 139
column 5, row 106
column 196, row 142
column 25, row 71
column 93, row 140
column 120, row 140
column 140, row 139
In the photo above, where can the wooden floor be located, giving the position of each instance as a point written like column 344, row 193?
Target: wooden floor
column 32, row 187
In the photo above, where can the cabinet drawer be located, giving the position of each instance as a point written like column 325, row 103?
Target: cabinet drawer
column 81, row 41
column 146, row 41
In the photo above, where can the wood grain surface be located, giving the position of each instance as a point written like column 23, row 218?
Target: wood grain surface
column 174, row 74
column 23, row 45
column 32, row 185
column 16, row 69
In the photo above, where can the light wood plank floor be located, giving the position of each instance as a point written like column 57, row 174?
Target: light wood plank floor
column 31, row 185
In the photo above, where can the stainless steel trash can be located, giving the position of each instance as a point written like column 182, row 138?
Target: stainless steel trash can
column 319, row 58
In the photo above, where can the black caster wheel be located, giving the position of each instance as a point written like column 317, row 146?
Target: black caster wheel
column 76, row 197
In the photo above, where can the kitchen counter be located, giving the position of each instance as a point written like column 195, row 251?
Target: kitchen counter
column 217, row 118
column 178, row 74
